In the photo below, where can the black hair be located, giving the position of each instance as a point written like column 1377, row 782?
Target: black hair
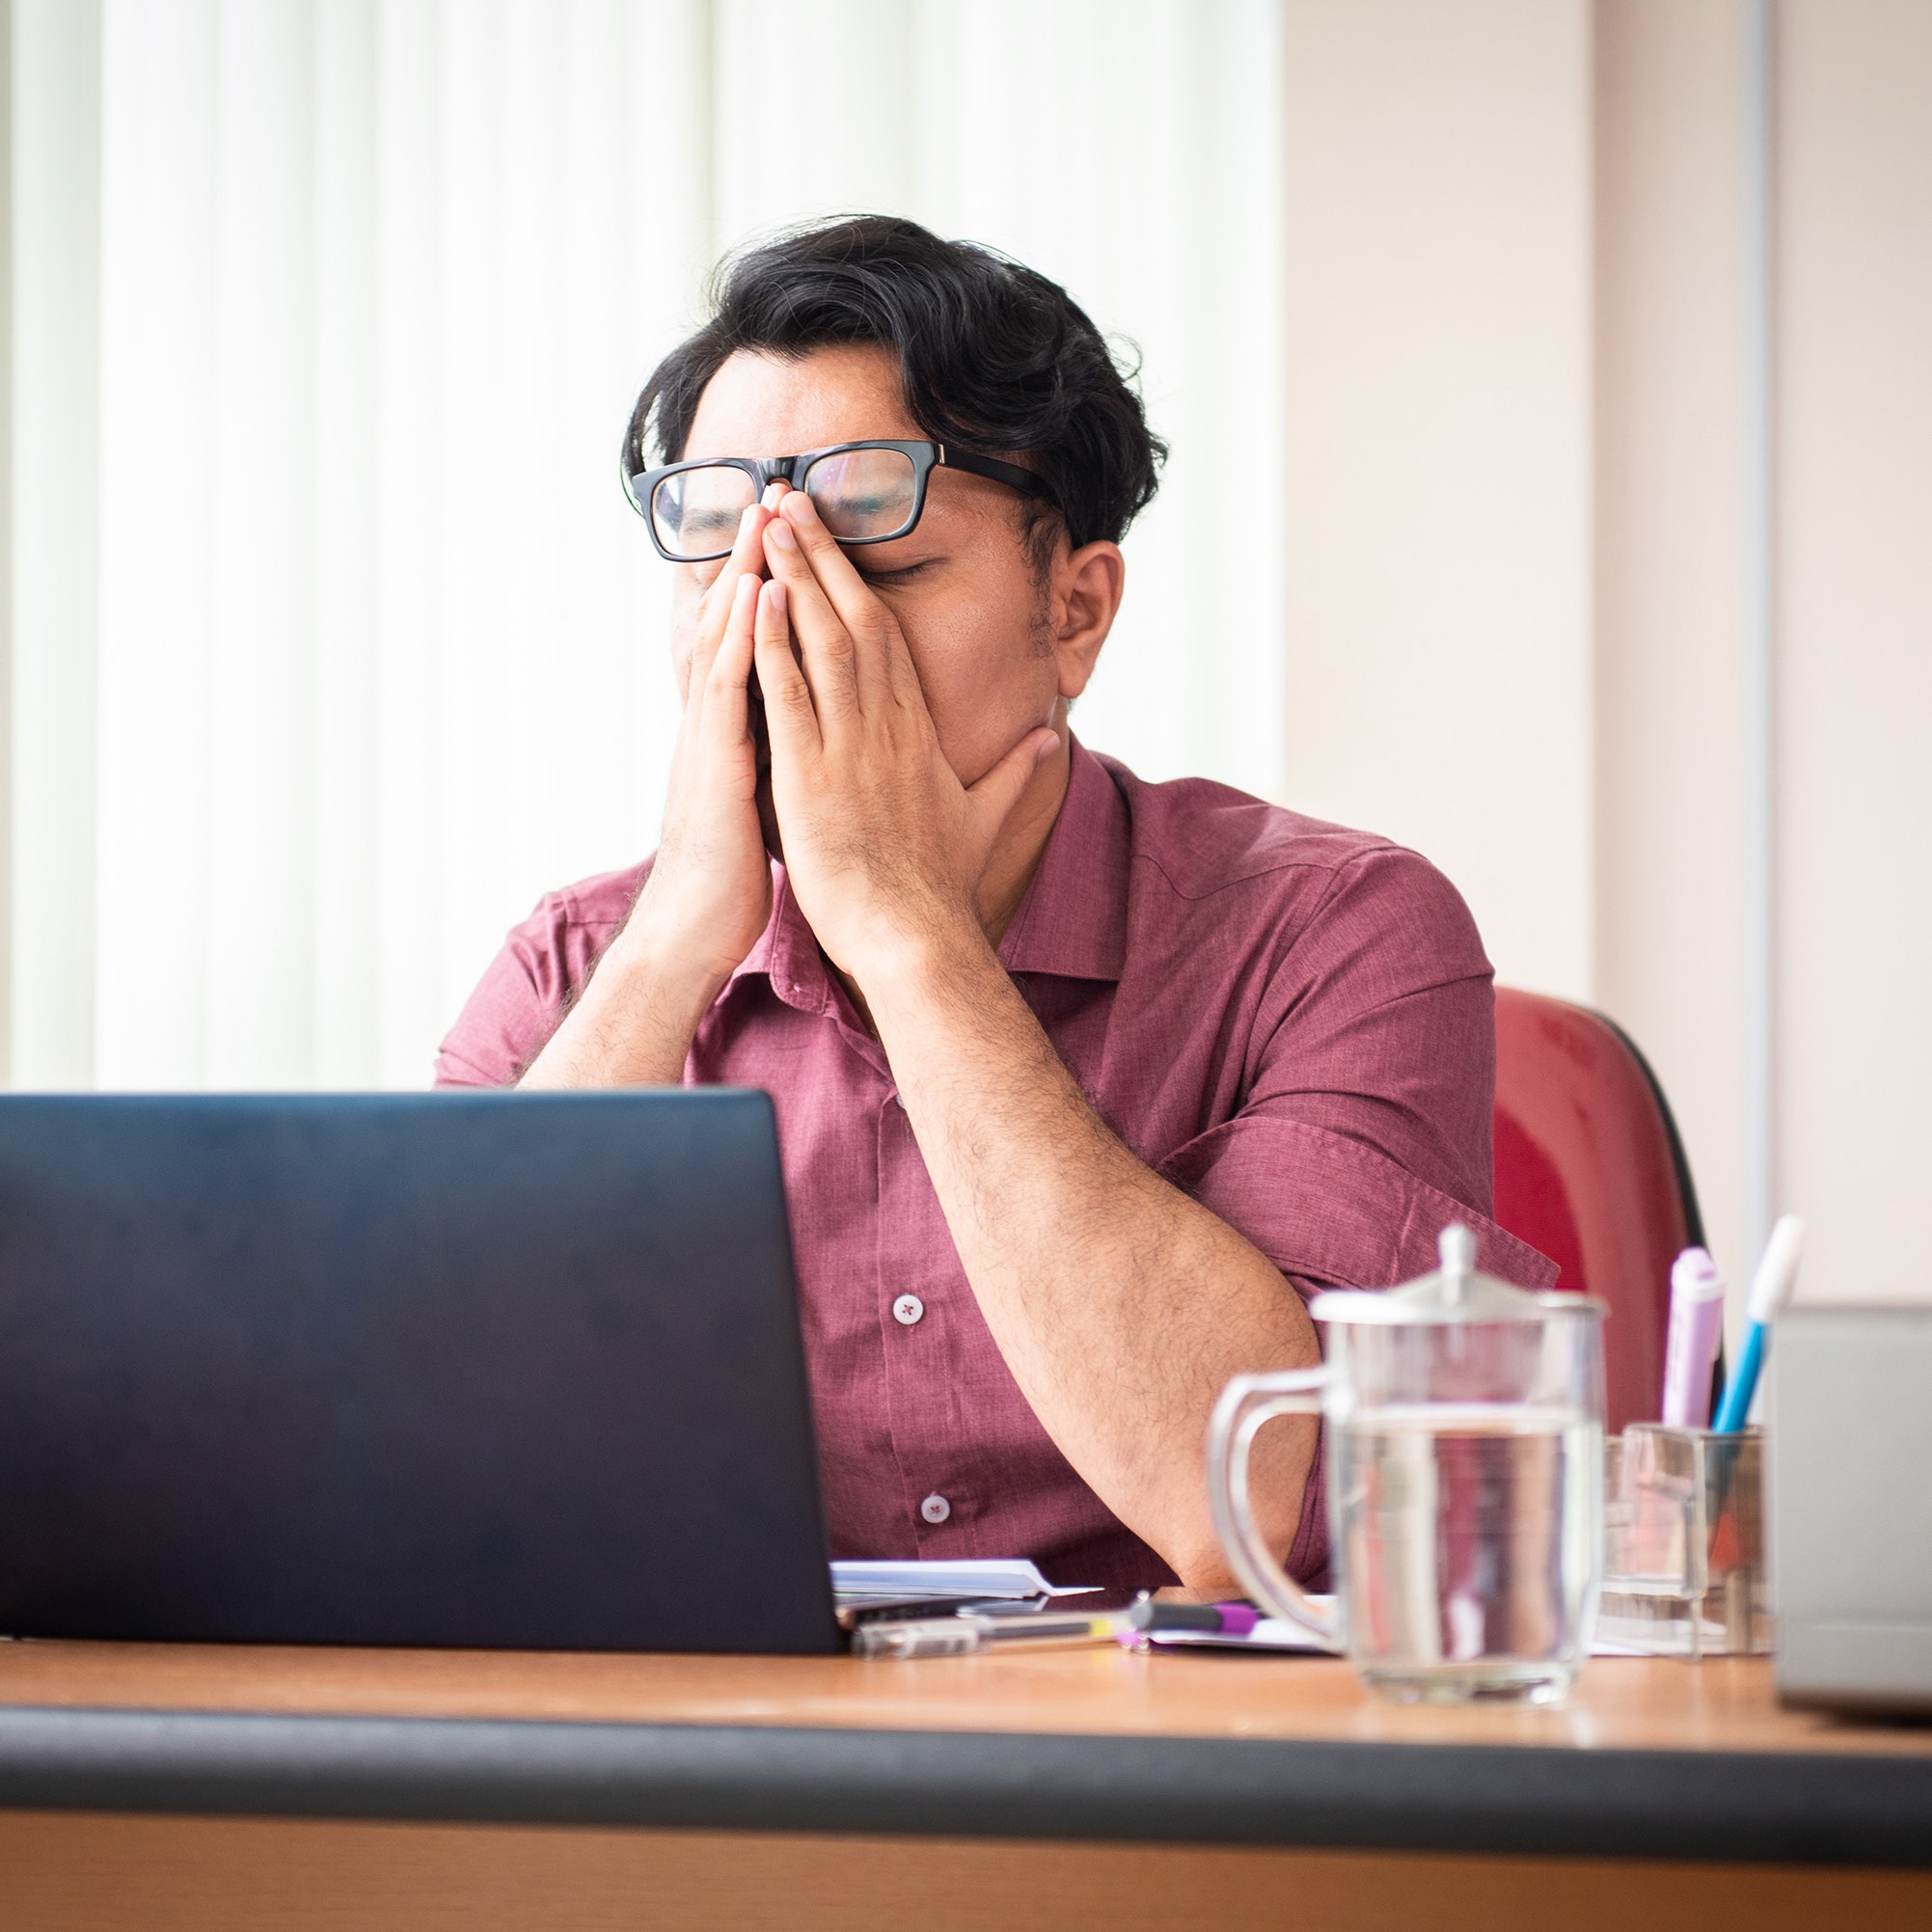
column 992, row 356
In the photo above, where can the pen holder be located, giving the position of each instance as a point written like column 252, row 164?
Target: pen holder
column 1684, row 1570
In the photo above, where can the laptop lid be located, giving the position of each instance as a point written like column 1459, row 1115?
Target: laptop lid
column 506, row 1370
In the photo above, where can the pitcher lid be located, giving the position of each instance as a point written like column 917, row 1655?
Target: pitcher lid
column 1456, row 1292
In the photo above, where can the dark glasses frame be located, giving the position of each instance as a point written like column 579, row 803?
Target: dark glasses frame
column 641, row 485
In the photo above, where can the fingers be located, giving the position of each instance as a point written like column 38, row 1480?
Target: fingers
column 882, row 666
column 791, row 720
column 726, row 700
column 747, row 551
column 843, row 589
column 829, row 643
column 747, row 558
column 994, row 795
column 881, row 660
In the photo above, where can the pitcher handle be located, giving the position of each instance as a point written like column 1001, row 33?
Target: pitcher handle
column 1246, row 1404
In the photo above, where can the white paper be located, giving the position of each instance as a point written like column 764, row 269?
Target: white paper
column 1272, row 1633
column 966, row 1578
column 1277, row 1634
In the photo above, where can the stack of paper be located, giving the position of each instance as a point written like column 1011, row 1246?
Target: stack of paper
column 968, row 1580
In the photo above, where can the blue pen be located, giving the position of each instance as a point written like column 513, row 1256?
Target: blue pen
column 1770, row 1289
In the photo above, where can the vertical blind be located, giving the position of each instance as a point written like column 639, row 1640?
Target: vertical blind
column 339, row 643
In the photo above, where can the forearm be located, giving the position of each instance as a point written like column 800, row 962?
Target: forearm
column 1121, row 1306
column 632, row 1023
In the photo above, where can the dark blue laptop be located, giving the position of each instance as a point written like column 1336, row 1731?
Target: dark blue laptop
column 508, row 1370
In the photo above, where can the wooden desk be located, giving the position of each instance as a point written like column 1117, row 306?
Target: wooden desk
column 167, row 1786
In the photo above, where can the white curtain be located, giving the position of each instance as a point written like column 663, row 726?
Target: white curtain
column 339, row 643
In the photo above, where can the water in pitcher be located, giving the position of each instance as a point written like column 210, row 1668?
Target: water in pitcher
column 1469, row 1533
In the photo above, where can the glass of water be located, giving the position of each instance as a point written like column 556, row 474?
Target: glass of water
column 1465, row 1484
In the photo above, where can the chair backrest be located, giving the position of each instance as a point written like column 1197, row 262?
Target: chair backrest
column 1590, row 1169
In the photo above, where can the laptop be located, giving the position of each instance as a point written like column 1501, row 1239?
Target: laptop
column 503, row 1370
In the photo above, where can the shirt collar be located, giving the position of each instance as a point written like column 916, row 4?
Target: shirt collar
column 787, row 953
column 1072, row 921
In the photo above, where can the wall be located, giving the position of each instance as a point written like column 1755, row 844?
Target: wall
column 1516, row 554
column 1437, row 449
column 1668, row 843
column 1855, row 637
column 1851, row 603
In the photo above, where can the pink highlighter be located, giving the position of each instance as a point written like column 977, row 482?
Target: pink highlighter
column 1697, row 1329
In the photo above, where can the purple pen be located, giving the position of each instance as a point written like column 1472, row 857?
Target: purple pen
column 1697, row 1326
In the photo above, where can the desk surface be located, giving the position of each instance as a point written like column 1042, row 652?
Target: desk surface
column 1623, row 1704
column 1649, row 1758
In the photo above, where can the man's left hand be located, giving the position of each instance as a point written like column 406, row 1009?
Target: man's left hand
column 885, row 848
column 1085, row 1264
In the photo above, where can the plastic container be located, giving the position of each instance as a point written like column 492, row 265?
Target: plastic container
column 1684, row 1570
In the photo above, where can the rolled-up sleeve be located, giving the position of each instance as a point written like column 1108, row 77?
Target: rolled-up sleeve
column 1364, row 1127
column 1333, row 1212
column 1365, row 1121
column 523, row 992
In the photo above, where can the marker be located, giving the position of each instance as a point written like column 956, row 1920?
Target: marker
column 1770, row 1290
column 1221, row 1620
column 1697, row 1326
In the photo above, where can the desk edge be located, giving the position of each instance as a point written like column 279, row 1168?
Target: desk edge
column 1746, row 1806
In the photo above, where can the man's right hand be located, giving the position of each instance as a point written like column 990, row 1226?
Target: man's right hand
column 709, row 893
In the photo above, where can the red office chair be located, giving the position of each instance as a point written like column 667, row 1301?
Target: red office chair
column 1590, row 1169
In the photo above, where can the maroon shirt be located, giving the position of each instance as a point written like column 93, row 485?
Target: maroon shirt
column 1291, row 1022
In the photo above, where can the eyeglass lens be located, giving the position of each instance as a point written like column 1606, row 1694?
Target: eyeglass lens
column 860, row 495
column 695, row 512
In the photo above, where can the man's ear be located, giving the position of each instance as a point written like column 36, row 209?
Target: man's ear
column 1085, row 592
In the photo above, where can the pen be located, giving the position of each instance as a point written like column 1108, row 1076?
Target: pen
column 1770, row 1290
column 1697, row 1324
column 964, row 1635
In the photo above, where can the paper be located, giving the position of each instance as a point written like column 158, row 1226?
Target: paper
column 1270, row 1633
column 1277, row 1634
column 967, row 1579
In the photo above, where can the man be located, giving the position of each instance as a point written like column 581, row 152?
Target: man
column 1082, row 1084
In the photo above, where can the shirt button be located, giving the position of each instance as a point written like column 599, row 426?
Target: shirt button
column 907, row 1309
column 936, row 1508
column 901, row 1098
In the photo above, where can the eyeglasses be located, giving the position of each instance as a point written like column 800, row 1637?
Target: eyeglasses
column 863, row 492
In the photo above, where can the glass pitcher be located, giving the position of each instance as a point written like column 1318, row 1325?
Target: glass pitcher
column 1465, row 1484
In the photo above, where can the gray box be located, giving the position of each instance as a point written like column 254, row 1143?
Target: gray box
column 1850, row 1432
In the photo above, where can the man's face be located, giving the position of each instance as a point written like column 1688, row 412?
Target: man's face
column 962, row 586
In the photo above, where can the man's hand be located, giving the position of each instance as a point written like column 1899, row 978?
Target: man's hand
column 884, row 847
column 709, row 893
